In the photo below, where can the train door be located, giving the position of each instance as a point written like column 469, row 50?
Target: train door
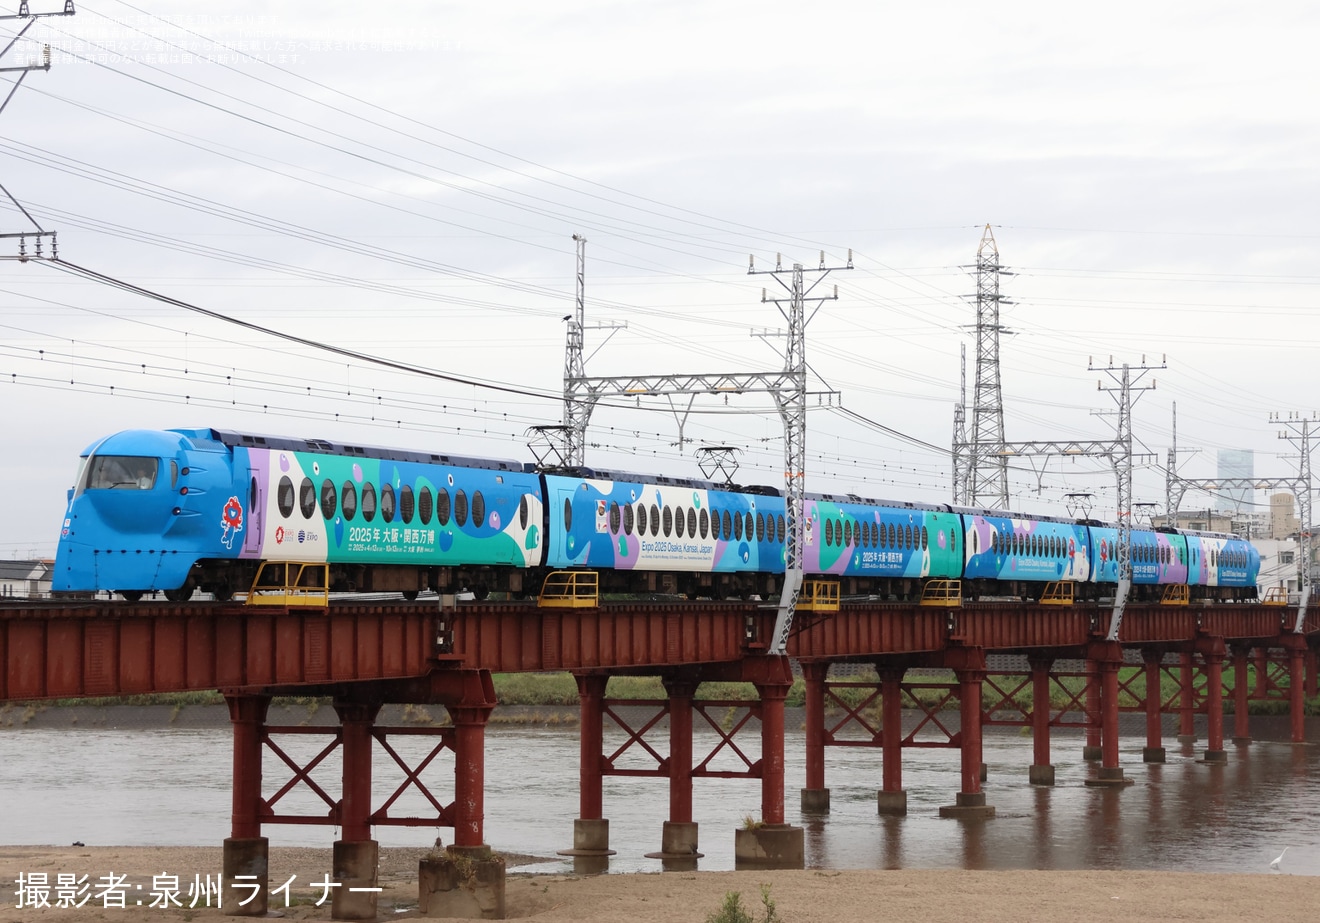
column 560, row 550
column 255, row 504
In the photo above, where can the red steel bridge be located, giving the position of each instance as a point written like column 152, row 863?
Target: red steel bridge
column 366, row 654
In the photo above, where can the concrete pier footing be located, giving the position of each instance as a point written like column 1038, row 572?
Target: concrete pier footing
column 1041, row 775
column 891, row 804
column 769, row 846
column 968, row 806
column 815, row 801
column 355, row 864
column 467, row 882
column 1109, row 777
column 245, row 863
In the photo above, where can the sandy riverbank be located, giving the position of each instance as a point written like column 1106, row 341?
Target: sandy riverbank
column 801, row 896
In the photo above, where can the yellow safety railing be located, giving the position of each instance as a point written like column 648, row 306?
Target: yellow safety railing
column 1058, row 593
column 290, row 583
column 946, row 593
column 1176, row 594
column 570, row 589
column 1275, row 596
column 818, row 596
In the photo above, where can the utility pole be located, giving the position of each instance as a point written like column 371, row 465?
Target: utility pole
column 988, row 464
column 961, row 450
column 788, row 389
column 40, row 235
column 1298, row 431
column 1122, row 458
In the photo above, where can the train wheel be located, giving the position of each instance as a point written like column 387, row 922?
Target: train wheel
column 131, row 595
column 410, row 595
column 182, row 594
column 481, row 591
column 223, row 593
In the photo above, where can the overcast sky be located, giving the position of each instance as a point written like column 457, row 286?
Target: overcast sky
column 406, row 182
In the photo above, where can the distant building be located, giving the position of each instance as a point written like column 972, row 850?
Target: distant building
column 25, row 579
column 1283, row 521
column 1234, row 463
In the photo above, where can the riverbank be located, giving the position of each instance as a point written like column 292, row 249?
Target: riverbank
column 800, row 896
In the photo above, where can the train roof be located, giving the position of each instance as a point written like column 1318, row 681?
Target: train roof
column 1009, row 514
column 294, row 444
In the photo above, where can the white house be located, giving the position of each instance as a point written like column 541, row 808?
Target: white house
column 25, row 579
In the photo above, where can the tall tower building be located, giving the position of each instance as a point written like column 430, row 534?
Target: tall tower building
column 1235, row 463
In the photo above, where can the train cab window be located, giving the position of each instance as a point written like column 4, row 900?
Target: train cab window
column 616, row 517
column 329, row 498
column 641, row 519
column 426, row 507
column 679, row 521
column 387, row 504
column 284, row 496
column 692, row 522
column 442, row 507
column 368, row 502
column 668, row 522
column 460, row 507
column 122, row 472
column 655, row 520
column 407, row 504
column 307, row 498
column 703, row 522
column 478, row 509
column 628, row 520
column 523, row 512
column 728, row 526
column 568, row 514
column 348, row 501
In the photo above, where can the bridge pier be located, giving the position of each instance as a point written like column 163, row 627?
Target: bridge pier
column 356, row 854
column 245, row 859
column 1041, row 771
column 969, row 667
column 1153, row 752
column 678, row 836
column 892, row 798
column 1186, row 699
column 1241, row 693
column 773, row 843
column 591, row 831
column 1106, row 657
column 1093, row 749
column 1212, row 657
column 1295, row 645
column 815, row 797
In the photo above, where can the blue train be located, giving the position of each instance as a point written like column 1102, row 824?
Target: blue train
column 177, row 511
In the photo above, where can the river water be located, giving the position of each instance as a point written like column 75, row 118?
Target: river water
column 172, row 787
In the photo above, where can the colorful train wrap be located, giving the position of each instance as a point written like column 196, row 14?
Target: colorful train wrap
column 176, row 511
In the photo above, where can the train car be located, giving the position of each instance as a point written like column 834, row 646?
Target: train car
column 184, row 509
column 1223, row 566
column 880, row 546
column 1011, row 554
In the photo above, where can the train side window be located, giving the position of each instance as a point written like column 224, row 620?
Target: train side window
column 616, row 517
column 348, row 501
column 668, row 520
column 692, row 522
column 748, row 525
column 953, row 541
column 568, row 514
column 523, row 512
column 679, row 521
column 387, row 503
column 655, row 520
column 442, row 507
column 284, row 496
column 884, row 536
column 628, row 519
column 329, row 496
column 781, row 527
column 407, row 504
column 737, row 527
column 478, row 509
column 174, row 474
column 368, row 502
column 760, row 527
column 307, row 498
column 641, row 519
column 704, row 522
column 829, row 532
column 727, row 533
column 925, row 538
column 907, row 536
column 252, row 494
column 460, row 507
column 426, row 506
